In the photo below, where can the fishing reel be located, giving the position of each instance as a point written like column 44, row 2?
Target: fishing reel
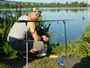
column 40, row 30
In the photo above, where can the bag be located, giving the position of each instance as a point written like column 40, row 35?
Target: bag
column 72, row 61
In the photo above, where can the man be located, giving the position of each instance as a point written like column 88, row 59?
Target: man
column 17, row 34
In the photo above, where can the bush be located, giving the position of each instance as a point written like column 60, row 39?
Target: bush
column 6, row 22
column 86, row 35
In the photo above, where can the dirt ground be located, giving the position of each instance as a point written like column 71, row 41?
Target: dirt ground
column 44, row 62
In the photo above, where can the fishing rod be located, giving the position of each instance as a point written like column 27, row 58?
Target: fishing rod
column 20, row 21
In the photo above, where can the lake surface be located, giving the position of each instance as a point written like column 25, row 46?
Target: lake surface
column 76, row 20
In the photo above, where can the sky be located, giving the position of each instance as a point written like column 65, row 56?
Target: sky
column 88, row 1
column 49, row 1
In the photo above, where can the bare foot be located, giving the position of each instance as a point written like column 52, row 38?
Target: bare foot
column 33, row 50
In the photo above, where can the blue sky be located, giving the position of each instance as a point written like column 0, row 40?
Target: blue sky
column 48, row 1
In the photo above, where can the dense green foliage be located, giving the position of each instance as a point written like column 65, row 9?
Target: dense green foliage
column 30, row 5
column 86, row 39
column 6, row 23
column 86, row 35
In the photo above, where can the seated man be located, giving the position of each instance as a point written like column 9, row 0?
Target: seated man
column 17, row 34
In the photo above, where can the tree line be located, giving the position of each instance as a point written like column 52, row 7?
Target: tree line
column 30, row 5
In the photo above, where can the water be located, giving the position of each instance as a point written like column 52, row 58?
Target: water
column 79, row 19
column 75, row 28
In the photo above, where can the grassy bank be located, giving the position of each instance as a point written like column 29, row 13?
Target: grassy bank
column 45, row 62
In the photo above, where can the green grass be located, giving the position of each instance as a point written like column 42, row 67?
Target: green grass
column 45, row 62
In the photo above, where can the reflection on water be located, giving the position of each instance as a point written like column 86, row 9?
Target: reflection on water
column 79, row 19
column 89, row 14
column 49, row 9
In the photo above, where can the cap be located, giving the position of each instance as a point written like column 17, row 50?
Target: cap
column 35, row 10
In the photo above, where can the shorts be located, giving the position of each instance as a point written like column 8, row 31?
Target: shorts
column 20, row 45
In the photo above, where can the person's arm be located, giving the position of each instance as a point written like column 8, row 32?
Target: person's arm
column 31, row 26
column 34, row 33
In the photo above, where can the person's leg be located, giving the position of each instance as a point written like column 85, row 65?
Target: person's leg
column 43, row 52
column 33, row 46
column 37, row 45
column 20, row 46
